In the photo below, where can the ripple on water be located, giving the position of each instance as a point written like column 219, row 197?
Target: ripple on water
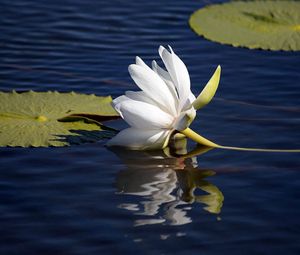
column 90, row 200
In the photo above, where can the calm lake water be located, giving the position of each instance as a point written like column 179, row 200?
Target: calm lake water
column 88, row 199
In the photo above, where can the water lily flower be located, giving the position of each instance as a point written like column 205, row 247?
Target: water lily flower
column 164, row 105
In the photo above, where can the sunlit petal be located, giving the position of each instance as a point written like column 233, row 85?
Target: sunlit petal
column 140, row 96
column 167, row 79
column 141, row 139
column 136, row 96
column 191, row 98
column 154, row 87
column 178, row 73
column 189, row 103
column 185, row 119
column 140, row 62
column 118, row 101
column 143, row 115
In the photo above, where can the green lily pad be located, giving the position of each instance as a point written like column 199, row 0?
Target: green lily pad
column 272, row 25
column 42, row 119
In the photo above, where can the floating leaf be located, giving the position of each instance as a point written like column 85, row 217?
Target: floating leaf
column 42, row 119
column 273, row 25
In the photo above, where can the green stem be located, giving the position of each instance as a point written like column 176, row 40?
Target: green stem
column 201, row 140
column 198, row 138
column 258, row 149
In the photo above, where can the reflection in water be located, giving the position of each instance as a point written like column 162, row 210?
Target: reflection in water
column 168, row 186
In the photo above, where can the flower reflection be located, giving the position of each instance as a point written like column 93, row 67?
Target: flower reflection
column 167, row 185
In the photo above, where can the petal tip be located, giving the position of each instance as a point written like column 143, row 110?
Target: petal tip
column 139, row 61
column 131, row 68
column 161, row 50
column 154, row 65
column 170, row 48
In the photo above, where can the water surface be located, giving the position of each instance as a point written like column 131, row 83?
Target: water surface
column 88, row 199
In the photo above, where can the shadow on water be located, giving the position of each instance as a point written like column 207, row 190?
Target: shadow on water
column 80, row 133
column 78, row 137
column 166, row 185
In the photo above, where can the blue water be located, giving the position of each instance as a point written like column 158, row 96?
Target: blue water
column 88, row 199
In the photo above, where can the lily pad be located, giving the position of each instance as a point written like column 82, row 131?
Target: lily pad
column 272, row 25
column 42, row 119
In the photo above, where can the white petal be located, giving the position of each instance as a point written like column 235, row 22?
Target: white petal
column 140, row 62
column 192, row 98
column 118, row 101
column 178, row 73
column 140, row 96
column 167, row 79
column 161, row 72
column 185, row 119
column 189, row 103
column 153, row 86
column 134, row 95
column 143, row 115
column 140, row 139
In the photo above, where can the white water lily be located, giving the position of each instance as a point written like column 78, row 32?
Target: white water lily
column 165, row 104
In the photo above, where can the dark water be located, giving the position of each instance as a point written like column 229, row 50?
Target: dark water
column 90, row 200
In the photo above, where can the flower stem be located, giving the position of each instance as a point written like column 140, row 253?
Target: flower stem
column 201, row 140
column 258, row 149
column 198, row 138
